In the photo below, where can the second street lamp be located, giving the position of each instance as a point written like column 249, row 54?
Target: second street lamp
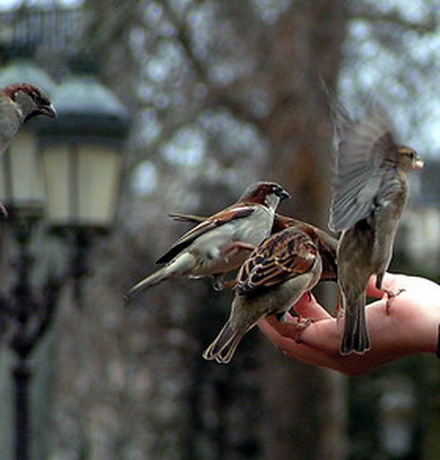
column 26, row 311
column 78, row 159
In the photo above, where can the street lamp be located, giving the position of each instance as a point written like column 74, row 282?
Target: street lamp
column 81, row 153
column 81, row 157
column 26, row 312
column 61, row 174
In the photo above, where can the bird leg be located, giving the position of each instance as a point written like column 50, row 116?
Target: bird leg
column 388, row 292
column 234, row 248
column 391, row 295
column 339, row 310
column 298, row 325
column 219, row 283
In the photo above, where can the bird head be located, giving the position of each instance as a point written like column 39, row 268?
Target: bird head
column 266, row 193
column 408, row 159
column 31, row 101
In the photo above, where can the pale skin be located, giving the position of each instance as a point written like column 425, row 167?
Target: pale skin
column 411, row 327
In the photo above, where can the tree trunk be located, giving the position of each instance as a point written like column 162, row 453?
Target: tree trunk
column 305, row 413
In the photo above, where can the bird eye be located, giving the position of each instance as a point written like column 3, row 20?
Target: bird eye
column 39, row 99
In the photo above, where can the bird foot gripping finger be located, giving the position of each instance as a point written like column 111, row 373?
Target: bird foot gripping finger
column 234, row 248
column 339, row 312
column 391, row 295
column 298, row 325
column 339, row 309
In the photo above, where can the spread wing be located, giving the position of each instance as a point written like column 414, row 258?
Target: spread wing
column 280, row 257
column 223, row 217
column 359, row 164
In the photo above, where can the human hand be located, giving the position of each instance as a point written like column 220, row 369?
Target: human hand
column 411, row 327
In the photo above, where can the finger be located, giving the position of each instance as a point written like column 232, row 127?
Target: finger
column 323, row 335
column 300, row 351
column 308, row 307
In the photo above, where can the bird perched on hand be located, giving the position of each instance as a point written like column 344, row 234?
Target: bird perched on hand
column 18, row 104
column 369, row 196
column 271, row 281
column 222, row 242
column 327, row 245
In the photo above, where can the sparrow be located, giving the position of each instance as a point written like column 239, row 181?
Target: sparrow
column 327, row 244
column 18, row 104
column 370, row 192
column 223, row 241
column 273, row 278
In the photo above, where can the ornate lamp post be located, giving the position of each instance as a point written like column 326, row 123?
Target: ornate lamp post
column 81, row 156
column 63, row 175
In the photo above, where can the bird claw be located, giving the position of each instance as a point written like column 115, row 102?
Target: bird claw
column 219, row 284
column 339, row 309
column 391, row 295
column 298, row 325
column 339, row 312
column 233, row 249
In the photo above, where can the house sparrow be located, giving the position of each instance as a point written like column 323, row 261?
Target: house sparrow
column 222, row 242
column 18, row 104
column 273, row 278
column 327, row 245
column 369, row 196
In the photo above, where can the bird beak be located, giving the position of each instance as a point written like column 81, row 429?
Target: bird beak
column 284, row 195
column 48, row 110
column 418, row 164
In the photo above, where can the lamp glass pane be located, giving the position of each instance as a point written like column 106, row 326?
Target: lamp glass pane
column 98, row 187
column 21, row 173
column 56, row 168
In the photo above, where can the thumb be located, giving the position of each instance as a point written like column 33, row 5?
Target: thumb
column 308, row 307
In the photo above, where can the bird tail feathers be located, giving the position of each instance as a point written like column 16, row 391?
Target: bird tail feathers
column 355, row 338
column 180, row 266
column 146, row 283
column 223, row 347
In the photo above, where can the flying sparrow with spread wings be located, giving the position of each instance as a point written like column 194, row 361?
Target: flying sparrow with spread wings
column 222, row 242
column 271, row 281
column 369, row 197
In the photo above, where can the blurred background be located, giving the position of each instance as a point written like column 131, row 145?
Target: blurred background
column 190, row 101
